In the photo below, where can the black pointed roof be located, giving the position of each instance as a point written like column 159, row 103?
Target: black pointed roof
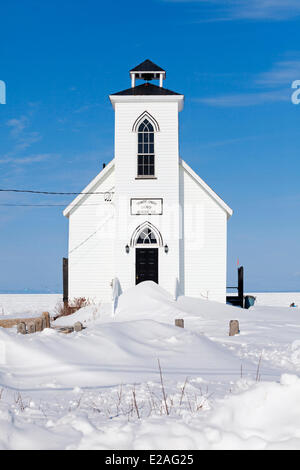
column 146, row 89
column 147, row 66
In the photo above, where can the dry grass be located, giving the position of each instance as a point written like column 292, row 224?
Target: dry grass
column 19, row 401
column 163, row 388
column 133, row 402
column 63, row 309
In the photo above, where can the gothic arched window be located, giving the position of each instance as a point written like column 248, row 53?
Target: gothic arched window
column 145, row 166
column 146, row 237
column 146, row 234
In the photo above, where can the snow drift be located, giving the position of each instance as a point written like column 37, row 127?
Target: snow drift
column 76, row 391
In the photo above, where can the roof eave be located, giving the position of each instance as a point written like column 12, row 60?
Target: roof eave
column 146, row 65
column 147, row 98
column 88, row 189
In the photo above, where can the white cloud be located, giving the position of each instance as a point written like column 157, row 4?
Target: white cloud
column 273, row 86
column 247, row 99
column 23, row 137
column 17, row 125
column 266, row 9
column 249, row 9
column 282, row 73
column 27, row 140
column 41, row 157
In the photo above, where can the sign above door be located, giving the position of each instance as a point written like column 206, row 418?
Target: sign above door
column 146, row 206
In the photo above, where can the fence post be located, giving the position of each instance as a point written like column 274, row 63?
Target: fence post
column 31, row 327
column 46, row 320
column 21, row 328
column 241, row 285
column 65, row 280
column 179, row 322
column 234, row 328
column 39, row 324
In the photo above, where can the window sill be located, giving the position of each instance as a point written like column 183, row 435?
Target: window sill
column 146, row 178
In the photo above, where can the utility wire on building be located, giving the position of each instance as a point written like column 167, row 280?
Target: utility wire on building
column 50, row 192
column 44, row 205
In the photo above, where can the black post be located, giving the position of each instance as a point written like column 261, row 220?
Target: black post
column 241, row 285
column 65, row 280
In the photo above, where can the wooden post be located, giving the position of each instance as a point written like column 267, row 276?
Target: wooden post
column 31, row 327
column 46, row 320
column 234, row 328
column 21, row 328
column 65, row 280
column 241, row 286
column 39, row 324
column 179, row 322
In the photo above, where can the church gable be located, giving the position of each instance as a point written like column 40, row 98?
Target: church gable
column 100, row 189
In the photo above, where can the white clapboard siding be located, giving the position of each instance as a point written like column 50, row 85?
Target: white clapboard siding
column 204, row 248
column 91, row 245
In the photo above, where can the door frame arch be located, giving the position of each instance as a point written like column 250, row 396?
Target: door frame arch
column 140, row 229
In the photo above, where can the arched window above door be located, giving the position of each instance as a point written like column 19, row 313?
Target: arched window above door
column 146, row 237
column 146, row 234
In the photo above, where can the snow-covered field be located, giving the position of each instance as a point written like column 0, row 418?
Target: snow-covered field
column 136, row 381
column 27, row 305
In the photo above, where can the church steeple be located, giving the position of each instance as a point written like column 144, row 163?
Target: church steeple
column 147, row 71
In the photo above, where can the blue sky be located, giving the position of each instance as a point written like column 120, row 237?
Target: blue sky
column 235, row 62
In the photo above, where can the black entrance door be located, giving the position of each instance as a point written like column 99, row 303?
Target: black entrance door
column 146, row 265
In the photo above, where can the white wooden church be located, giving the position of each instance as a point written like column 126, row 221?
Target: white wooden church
column 147, row 215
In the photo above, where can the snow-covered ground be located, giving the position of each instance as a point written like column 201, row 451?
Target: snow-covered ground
column 277, row 299
column 136, row 381
column 27, row 305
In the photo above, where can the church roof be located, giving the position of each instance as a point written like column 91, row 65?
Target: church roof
column 147, row 66
column 146, row 89
column 88, row 189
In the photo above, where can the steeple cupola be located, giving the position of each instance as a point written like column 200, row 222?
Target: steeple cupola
column 147, row 91
column 147, row 71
